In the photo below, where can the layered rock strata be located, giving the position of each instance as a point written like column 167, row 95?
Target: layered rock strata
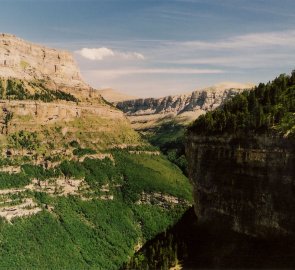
column 246, row 184
column 24, row 60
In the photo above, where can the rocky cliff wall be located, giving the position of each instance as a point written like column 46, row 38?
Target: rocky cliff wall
column 244, row 183
column 205, row 100
column 147, row 114
column 45, row 113
column 24, row 60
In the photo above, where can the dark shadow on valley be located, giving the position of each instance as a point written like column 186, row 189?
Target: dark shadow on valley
column 212, row 246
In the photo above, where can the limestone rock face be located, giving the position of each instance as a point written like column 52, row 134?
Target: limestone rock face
column 247, row 184
column 149, row 112
column 24, row 60
column 198, row 100
column 35, row 83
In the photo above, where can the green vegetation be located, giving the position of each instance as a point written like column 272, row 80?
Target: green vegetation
column 97, row 132
column 13, row 180
column 150, row 173
column 38, row 172
column 169, row 137
column 135, row 173
column 15, row 89
column 106, row 216
column 72, row 169
column 267, row 108
column 24, row 140
column 83, row 151
column 152, row 221
column 80, row 235
column 88, row 232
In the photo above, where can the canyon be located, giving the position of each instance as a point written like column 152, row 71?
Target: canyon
column 241, row 159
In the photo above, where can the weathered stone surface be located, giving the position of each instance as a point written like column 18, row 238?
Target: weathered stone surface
column 24, row 60
column 198, row 100
column 244, row 183
column 150, row 112
column 46, row 113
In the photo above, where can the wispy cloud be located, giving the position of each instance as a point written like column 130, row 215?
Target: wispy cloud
column 103, row 53
column 114, row 73
column 254, row 40
column 229, row 58
column 256, row 50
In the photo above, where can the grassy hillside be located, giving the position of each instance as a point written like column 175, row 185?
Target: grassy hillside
column 169, row 138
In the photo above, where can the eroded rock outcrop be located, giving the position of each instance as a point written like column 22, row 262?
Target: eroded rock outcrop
column 150, row 112
column 197, row 100
column 24, row 60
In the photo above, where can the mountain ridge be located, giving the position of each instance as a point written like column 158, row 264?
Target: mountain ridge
column 149, row 113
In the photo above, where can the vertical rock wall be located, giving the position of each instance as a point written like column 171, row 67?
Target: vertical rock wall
column 247, row 184
column 23, row 60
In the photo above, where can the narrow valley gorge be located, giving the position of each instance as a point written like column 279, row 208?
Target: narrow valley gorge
column 147, row 135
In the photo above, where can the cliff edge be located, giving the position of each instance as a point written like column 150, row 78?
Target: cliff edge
column 27, row 61
column 241, row 161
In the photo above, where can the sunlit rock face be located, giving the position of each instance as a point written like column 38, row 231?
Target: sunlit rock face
column 24, row 60
column 148, row 113
column 198, row 100
column 246, row 184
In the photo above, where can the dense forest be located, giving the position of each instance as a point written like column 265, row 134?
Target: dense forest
column 101, row 225
column 169, row 138
column 268, row 107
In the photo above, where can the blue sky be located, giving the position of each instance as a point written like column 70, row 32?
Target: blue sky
column 155, row 48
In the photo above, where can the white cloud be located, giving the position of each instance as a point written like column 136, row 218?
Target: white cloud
column 103, row 52
column 96, row 53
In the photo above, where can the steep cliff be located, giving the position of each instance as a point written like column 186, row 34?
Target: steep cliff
column 241, row 159
column 150, row 112
column 24, row 60
column 245, row 182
